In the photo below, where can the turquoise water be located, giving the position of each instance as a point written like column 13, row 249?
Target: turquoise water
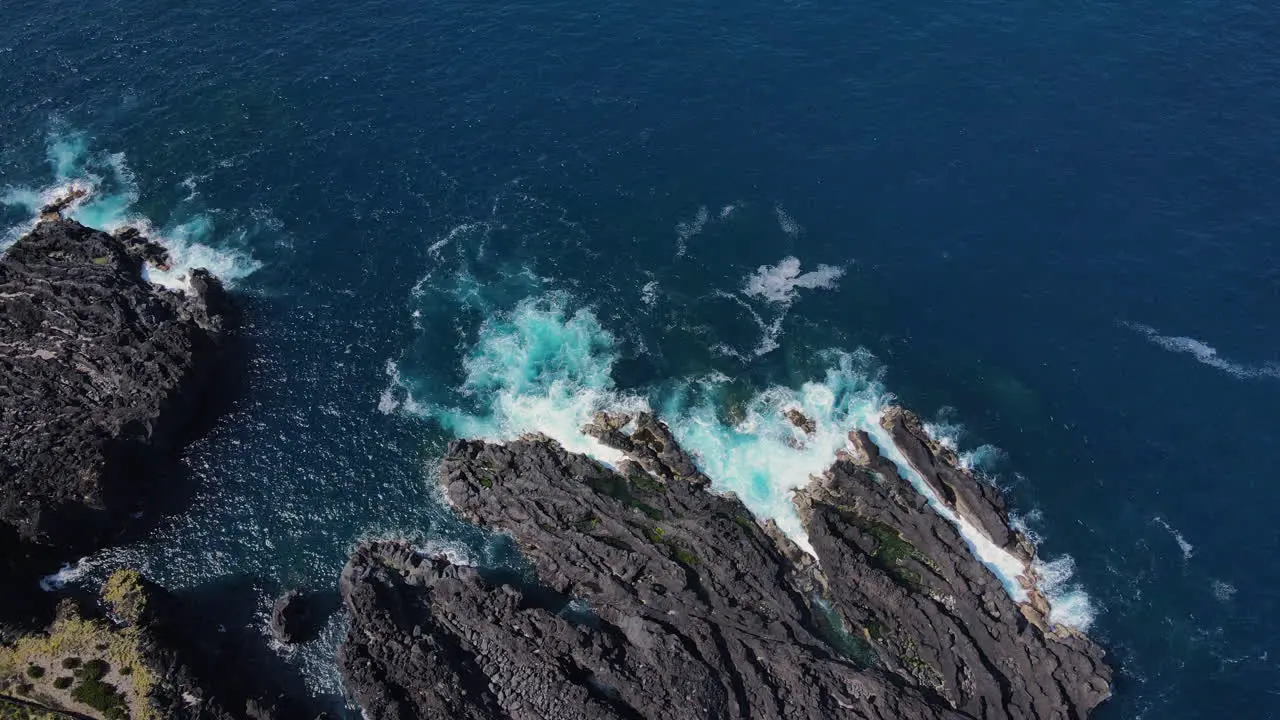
column 1049, row 230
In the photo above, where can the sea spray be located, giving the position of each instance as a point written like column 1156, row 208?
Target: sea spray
column 538, row 368
column 543, row 366
column 759, row 453
column 110, row 193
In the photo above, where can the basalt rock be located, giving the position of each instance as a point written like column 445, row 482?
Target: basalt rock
column 904, row 578
column 294, row 618
column 103, row 376
column 656, row 598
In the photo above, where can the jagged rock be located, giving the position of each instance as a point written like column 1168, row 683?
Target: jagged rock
column 659, row 599
column 293, row 618
column 937, row 464
column 53, row 211
column 800, row 420
column 103, row 375
column 902, row 576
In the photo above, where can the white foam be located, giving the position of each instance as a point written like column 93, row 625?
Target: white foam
column 770, row 330
column 538, row 368
column 778, row 287
column 786, row 222
column 764, row 457
column 387, row 401
column 453, row 234
column 780, row 283
column 1007, row 567
column 686, row 229
column 66, row 575
column 1069, row 604
column 1223, row 591
column 649, row 293
column 456, row 552
column 1186, row 547
column 545, row 367
column 1205, row 353
column 727, row 211
column 110, row 193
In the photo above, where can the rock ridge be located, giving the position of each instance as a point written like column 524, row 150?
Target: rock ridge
column 656, row 598
column 103, row 375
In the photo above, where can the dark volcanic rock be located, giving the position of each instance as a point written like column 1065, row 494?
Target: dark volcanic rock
column 692, row 614
column 294, row 618
column 904, row 577
column 103, row 375
column 659, row 599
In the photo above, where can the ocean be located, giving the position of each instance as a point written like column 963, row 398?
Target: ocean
column 1052, row 230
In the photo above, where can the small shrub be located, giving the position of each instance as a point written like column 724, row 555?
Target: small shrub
column 35, row 671
column 93, row 670
column 101, row 697
column 63, row 682
column 126, row 670
column 70, row 663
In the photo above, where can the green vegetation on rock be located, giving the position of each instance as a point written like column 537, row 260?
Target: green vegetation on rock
column 92, row 649
column 126, row 595
column 621, row 489
column 892, row 551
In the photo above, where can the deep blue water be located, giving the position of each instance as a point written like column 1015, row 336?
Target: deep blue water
column 1052, row 226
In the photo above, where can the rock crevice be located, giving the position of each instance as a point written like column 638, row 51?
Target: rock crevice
column 674, row 602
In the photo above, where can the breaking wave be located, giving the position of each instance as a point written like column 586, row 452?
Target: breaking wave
column 110, row 194
column 545, row 365
column 537, row 368
column 748, row 446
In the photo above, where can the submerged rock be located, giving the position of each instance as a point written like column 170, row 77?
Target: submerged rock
column 659, row 599
column 103, row 376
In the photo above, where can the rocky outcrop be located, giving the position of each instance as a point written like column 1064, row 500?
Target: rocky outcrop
column 294, row 618
column 148, row 657
column 656, row 598
column 103, row 375
column 904, row 578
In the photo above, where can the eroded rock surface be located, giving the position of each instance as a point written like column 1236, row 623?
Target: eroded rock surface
column 932, row 612
column 661, row 599
column 294, row 618
column 102, row 376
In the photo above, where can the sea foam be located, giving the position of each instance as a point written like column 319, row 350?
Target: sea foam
column 756, row 452
column 545, row 366
column 537, row 368
column 686, row 229
column 110, row 194
column 1206, row 353
column 774, row 288
column 780, row 283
